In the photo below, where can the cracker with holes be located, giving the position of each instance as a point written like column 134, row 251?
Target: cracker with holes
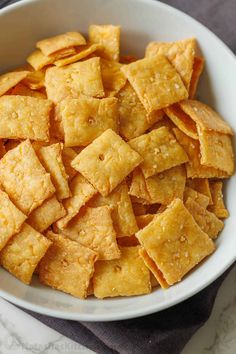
column 156, row 82
column 112, row 76
column 24, row 118
column 218, row 206
column 207, row 221
column 49, row 212
column 24, row 178
column 126, row 276
column 108, row 37
column 133, row 116
column 196, row 196
column 11, row 219
column 180, row 53
column 93, row 228
column 51, row 158
column 75, row 79
column 161, row 188
column 194, row 167
column 67, row 266
column 23, row 252
column 81, row 191
column 160, row 151
column 121, row 210
column 9, row 80
column 175, row 248
column 85, row 118
column 66, row 40
column 104, row 162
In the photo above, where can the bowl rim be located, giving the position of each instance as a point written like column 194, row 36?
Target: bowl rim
column 153, row 307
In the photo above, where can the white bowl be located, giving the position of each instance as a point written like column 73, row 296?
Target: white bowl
column 21, row 25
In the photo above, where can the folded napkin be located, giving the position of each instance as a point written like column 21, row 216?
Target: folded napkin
column 168, row 331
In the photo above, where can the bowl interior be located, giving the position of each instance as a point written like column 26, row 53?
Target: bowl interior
column 21, row 25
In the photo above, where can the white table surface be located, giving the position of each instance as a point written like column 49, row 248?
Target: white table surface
column 22, row 334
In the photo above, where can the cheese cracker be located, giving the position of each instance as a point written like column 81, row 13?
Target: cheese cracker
column 104, row 162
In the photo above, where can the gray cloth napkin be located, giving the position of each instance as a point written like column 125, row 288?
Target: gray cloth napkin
column 168, row 331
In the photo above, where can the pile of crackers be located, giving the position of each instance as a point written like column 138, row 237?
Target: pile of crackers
column 110, row 169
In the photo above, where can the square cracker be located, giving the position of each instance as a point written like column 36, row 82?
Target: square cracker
column 121, row 210
column 11, row 219
column 218, row 206
column 156, row 82
column 180, row 53
column 217, row 151
column 207, row 221
column 53, row 44
column 198, row 66
column 23, row 253
column 112, row 76
column 81, row 53
column 9, row 80
column 49, row 212
column 182, row 120
column 175, row 247
column 81, row 191
column 85, row 118
column 126, row 276
column 51, row 158
column 104, row 162
column 67, row 266
column 194, row 167
column 133, row 116
column 24, row 178
column 160, row 151
column 93, row 228
column 200, row 185
column 109, row 37
column 74, row 79
column 161, row 188
column 205, row 117
column 24, row 118
column 196, row 196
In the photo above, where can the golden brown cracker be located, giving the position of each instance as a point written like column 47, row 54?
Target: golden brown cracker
column 75, row 79
column 218, row 206
column 175, row 247
column 24, row 178
column 85, row 118
column 156, row 82
column 198, row 66
column 67, row 266
column 9, row 80
column 126, row 276
column 207, row 221
column 180, row 53
column 109, row 37
column 160, row 151
column 23, row 252
column 104, row 162
column 49, row 212
column 24, row 117
column 53, row 44
column 93, row 228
